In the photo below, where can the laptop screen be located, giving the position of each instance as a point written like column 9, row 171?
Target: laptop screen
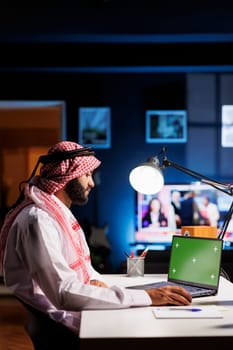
column 195, row 261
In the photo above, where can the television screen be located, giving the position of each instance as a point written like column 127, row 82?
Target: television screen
column 159, row 217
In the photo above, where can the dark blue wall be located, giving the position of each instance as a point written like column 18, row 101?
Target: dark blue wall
column 43, row 51
column 128, row 96
column 113, row 200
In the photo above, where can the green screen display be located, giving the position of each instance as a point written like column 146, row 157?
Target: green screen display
column 195, row 260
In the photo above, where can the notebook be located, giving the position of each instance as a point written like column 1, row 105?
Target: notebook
column 195, row 264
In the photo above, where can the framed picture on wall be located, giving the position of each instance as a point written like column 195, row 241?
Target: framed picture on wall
column 94, row 127
column 166, row 126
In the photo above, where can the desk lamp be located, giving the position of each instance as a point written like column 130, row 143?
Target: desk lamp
column 147, row 178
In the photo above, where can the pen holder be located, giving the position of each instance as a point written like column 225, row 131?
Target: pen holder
column 135, row 266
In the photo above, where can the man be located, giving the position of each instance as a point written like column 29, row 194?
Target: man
column 176, row 204
column 45, row 257
column 209, row 212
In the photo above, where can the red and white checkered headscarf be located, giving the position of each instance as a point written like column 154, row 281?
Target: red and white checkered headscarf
column 54, row 176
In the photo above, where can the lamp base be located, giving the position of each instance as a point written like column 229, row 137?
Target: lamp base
column 200, row 231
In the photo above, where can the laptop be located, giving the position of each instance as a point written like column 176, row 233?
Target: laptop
column 195, row 264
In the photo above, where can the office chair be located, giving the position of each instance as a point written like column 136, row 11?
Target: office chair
column 47, row 334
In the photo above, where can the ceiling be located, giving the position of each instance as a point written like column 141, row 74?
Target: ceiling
column 117, row 16
column 104, row 33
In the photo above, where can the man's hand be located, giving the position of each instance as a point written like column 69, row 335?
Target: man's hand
column 169, row 295
column 98, row 283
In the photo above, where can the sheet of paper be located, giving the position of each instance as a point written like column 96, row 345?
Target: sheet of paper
column 210, row 311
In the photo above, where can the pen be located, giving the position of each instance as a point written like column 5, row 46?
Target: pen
column 126, row 254
column 144, row 253
column 193, row 309
column 132, row 254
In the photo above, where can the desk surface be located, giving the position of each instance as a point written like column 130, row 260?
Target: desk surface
column 131, row 327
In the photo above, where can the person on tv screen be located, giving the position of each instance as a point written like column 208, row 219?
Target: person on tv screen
column 190, row 214
column 176, row 204
column 209, row 212
column 154, row 217
column 44, row 255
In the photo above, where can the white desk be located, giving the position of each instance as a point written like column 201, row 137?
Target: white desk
column 137, row 327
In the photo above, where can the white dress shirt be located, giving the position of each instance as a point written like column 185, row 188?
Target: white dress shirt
column 36, row 270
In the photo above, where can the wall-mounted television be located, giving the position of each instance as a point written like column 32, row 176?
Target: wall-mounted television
column 158, row 229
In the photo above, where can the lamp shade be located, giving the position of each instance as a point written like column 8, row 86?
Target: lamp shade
column 147, row 178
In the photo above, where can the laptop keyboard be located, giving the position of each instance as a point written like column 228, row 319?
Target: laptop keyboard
column 194, row 291
column 198, row 292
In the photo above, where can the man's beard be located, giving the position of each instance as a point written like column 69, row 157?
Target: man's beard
column 76, row 192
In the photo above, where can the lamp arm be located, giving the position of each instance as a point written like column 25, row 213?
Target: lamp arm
column 226, row 222
column 228, row 189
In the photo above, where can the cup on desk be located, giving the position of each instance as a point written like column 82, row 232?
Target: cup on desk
column 135, row 266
